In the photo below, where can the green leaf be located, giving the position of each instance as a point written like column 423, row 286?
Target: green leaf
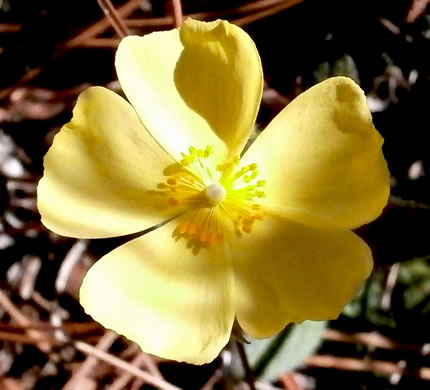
column 343, row 66
column 270, row 358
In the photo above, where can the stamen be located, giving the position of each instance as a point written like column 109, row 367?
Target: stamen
column 213, row 195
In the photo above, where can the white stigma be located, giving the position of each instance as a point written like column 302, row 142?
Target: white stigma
column 215, row 193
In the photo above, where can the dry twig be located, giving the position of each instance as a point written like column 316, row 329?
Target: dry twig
column 289, row 382
column 38, row 337
column 177, row 12
column 350, row 364
column 90, row 362
column 114, row 18
column 119, row 363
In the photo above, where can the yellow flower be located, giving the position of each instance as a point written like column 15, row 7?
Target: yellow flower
column 265, row 239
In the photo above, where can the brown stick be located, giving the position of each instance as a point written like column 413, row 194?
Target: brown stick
column 166, row 21
column 350, row 364
column 266, row 12
column 140, row 359
column 114, row 18
column 177, row 12
column 289, row 382
column 90, row 362
column 114, row 361
column 90, row 32
column 38, row 337
column 9, row 27
column 249, row 374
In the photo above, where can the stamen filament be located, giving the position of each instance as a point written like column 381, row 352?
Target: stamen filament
column 227, row 194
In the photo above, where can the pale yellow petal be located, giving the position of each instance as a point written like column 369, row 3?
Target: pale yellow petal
column 102, row 171
column 285, row 272
column 322, row 159
column 175, row 302
column 197, row 85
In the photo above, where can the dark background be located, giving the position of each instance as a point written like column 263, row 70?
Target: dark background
column 48, row 55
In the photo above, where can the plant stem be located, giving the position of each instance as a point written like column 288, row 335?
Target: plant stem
column 249, row 374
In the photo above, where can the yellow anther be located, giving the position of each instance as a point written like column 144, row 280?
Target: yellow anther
column 247, row 228
column 183, row 228
column 187, row 160
column 259, row 216
column 213, row 240
column 241, row 172
column 192, row 228
column 208, row 150
column 260, row 194
column 213, row 198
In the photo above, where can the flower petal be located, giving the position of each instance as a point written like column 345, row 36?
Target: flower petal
column 175, row 302
column 322, row 159
column 197, row 85
column 285, row 272
column 101, row 172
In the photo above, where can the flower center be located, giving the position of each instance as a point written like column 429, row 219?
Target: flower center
column 215, row 193
column 213, row 196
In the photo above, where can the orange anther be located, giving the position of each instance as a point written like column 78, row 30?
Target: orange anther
column 183, row 228
column 212, row 240
column 247, row 228
column 172, row 201
column 192, row 228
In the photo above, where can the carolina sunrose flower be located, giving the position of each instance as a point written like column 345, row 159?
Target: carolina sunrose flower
column 264, row 237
